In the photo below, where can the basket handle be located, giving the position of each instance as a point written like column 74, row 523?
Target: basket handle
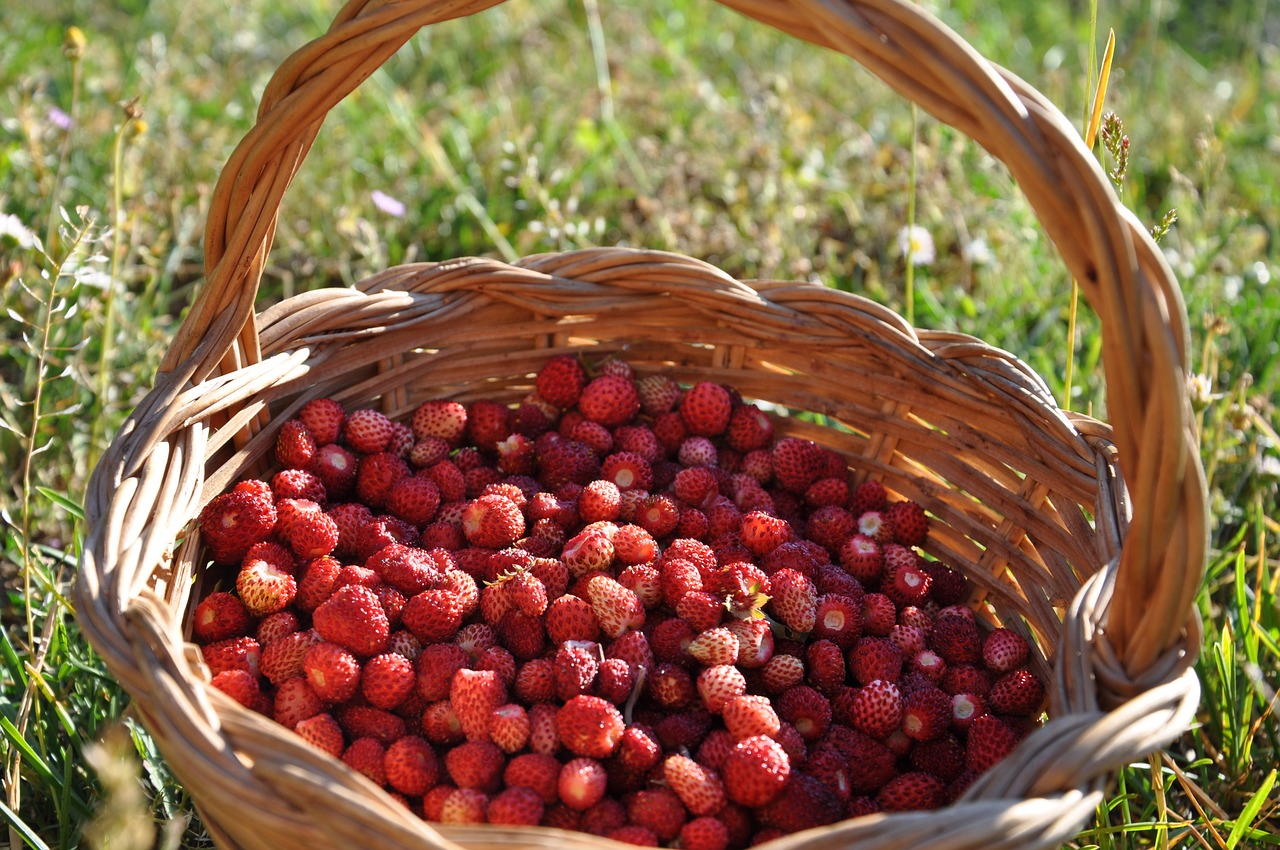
column 1122, row 273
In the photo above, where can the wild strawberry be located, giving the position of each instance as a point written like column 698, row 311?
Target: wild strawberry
column 561, row 380
column 582, row 783
column 474, row 696
column 571, row 618
column 804, row 803
column 576, row 665
column 313, row 534
column 367, row 431
column 870, row 495
column 956, row 639
column 219, row 616
column 242, row 686
column 235, row 653
column 298, row 484
column 515, row 806
column 387, row 680
column 616, row 608
column 536, row 771
column 670, row 686
column 322, row 732
column 593, row 434
column 912, row 791
column 232, row 522
column 714, row 646
column 861, row 558
column 717, row 685
column 878, row 615
column 589, row 726
column 440, row 725
column 433, row 615
column 475, row 764
column 588, row 551
column 910, row 526
column 697, row 452
column 365, row 756
column 446, row 420
column 464, row 806
column 376, row 475
column 988, row 740
column 633, row 648
column 414, row 499
column 755, row 642
column 1004, row 650
column 704, row 833
column 658, row 514
column 332, row 672
column 658, row 394
column 875, row 658
column 794, row 600
column 826, row 665
column 876, row 708
column 295, row 446
column 644, row 581
column 805, row 709
column 492, row 522
column 908, row 638
column 763, row 533
column 755, row 771
column 749, row 429
column 797, row 463
column 265, row 585
column 609, row 400
column 701, row 610
column 782, row 672
column 698, row 788
column 906, row 582
column 950, row 587
column 748, row 715
column 678, row 577
column 294, row 702
column 627, row 471
column 411, row 766
column 1018, row 692
column 926, row 714
column 488, row 422
column 657, row 811
column 599, row 500
column 838, row 618
column 353, row 618
column 324, row 419
column 706, row 409
column 615, row 681
column 942, row 756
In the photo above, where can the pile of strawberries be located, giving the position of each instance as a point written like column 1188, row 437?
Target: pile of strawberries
column 621, row 606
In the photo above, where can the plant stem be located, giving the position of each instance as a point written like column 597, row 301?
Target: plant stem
column 910, row 294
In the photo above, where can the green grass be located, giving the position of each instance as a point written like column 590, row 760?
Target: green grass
column 709, row 136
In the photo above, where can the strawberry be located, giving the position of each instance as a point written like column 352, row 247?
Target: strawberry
column 755, row 642
column 219, row 616
column 1004, row 650
column 838, row 618
column 517, row 806
column 699, row 788
column 590, row 550
column 332, row 672
column 956, row 639
column 235, row 653
column 988, row 740
column 718, row 684
column 335, row 466
column 804, row 803
column 571, row 618
column 926, row 714
column 876, row 708
column 638, row 440
column 476, row 764
column 295, row 446
column 265, row 584
column 870, row 495
column 875, row 658
column 701, row 610
column 411, row 766
column 365, row 756
column 387, row 680
column 657, row 810
column 704, row 833
column 561, row 461
column 294, row 702
column 910, row 525
column 599, row 500
column 322, row 732
column 782, row 672
column 377, row 474
column 440, row 724
column 906, row 581
column 414, row 499
column 475, row 695
column 910, row 639
column 755, row 771
column 464, row 806
column 805, row 709
column 861, row 558
column 678, row 577
column 714, row 646
column 242, row 686
column 826, row 665
column 576, row 665
column 353, row 618
column 829, row 526
column 233, row 522
column 950, row 587
column 942, row 756
column 561, row 380
column 912, row 791
column 313, row 534
column 671, row 686
column 658, row 394
column 794, row 600
column 441, row 419
column 1018, row 692
column 488, row 423
column 749, row 715
column 658, row 514
column 593, row 434
column 878, row 615
column 536, row 771
column 748, row 429
column 492, row 522
column 589, row 726
column 297, row 484
column 615, row 681
column 324, row 419
column 706, row 409
column 367, row 431
column 763, row 533
column 582, row 783
column 697, row 451
column 797, row 463
column 610, row 400
column 616, row 608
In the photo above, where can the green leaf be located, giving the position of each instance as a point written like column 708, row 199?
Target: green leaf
column 17, row 823
column 1250, row 810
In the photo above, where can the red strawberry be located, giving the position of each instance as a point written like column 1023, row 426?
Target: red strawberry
column 536, row 771
column 442, row 419
column 492, row 522
column 912, row 791
column 576, row 665
column 701, row 610
column 861, row 558
column 717, row 685
column 670, row 686
column 749, row 715
column 265, row 584
column 464, row 806
column 589, row 726
column 571, row 618
column 755, row 642
column 313, row 534
column 782, row 672
column 875, row 658
column 516, row 806
column 658, row 394
column 295, row 445
column 950, row 587
column 763, row 533
column 219, row 616
column 749, row 429
column 294, row 702
column 610, row 400
column 377, row 474
column 1018, row 692
column 387, row 680
column 797, row 463
column 1004, row 650
column 704, row 833
column 322, row 732
column 839, row 619
column 595, row 435
column 488, row 423
column 826, row 665
column 411, row 765
column 755, row 771
column 475, row 695
column 440, row 725
column 697, row 451
column 236, row 653
column 870, row 495
column 829, row 526
column 324, row 418
column 988, row 741
column 365, row 755
column 699, row 788
column 332, row 672
column 804, row 803
column 616, row 608
column 910, row 525
column 233, row 522
column 876, row 708
column 297, row 484
column 414, row 499
column 956, row 639
column 878, row 615
column 476, row 764
column 906, row 581
column 582, row 783
column 926, row 714
column 561, row 380
column 599, row 500
column 241, row 685
column 805, row 709
column 658, row 514
column 367, row 431
column 282, row 659
column 706, row 409
column 876, row 525
column 794, row 600
column 590, row 550
column 943, row 757
column 714, row 646
column 562, row 461
column 353, row 618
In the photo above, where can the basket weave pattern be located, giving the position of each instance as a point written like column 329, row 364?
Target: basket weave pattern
column 1098, row 569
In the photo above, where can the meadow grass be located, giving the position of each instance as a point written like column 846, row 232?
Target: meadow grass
column 563, row 123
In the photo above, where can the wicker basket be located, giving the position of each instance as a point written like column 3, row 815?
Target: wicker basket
column 1098, row 570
